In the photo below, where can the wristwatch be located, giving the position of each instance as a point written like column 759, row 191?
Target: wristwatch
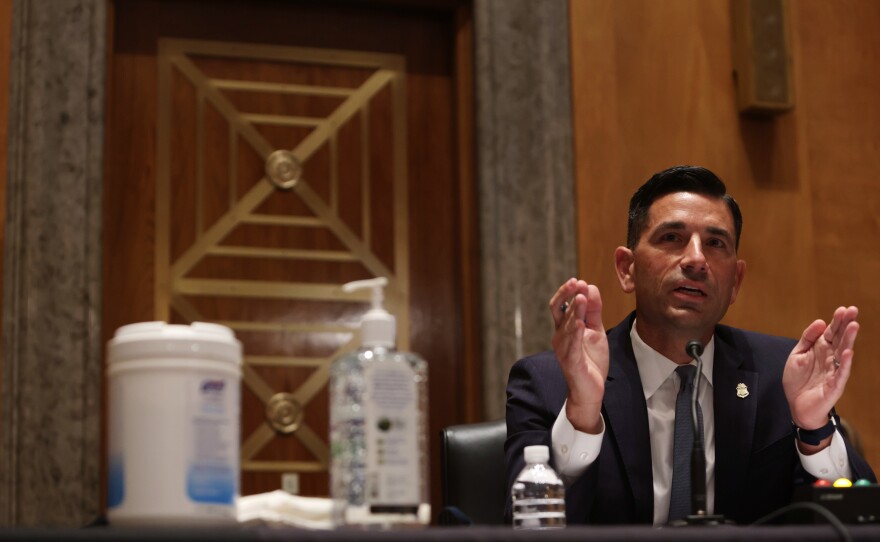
column 814, row 436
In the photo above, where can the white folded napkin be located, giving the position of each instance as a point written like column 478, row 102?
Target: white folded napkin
column 283, row 509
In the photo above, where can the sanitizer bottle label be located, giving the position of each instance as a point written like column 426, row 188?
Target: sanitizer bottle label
column 391, row 436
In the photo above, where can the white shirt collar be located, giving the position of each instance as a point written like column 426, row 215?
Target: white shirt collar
column 655, row 368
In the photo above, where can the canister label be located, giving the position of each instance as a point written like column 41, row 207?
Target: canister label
column 212, row 473
column 116, row 462
column 116, row 481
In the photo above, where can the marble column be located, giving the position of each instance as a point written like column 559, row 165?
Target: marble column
column 51, row 411
column 526, row 177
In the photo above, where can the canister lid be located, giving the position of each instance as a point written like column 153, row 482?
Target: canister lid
column 151, row 340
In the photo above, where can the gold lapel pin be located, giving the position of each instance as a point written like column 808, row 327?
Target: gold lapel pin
column 742, row 391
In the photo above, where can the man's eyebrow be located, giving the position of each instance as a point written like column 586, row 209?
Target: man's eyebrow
column 679, row 225
column 721, row 232
column 671, row 225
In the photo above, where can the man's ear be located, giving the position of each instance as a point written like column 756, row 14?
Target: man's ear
column 740, row 275
column 624, row 265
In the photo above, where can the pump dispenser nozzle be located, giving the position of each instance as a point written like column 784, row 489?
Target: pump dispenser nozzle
column 378, row 328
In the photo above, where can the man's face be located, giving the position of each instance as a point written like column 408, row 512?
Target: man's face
column 684, row 269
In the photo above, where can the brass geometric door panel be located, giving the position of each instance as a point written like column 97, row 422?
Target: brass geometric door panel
column 281, row 175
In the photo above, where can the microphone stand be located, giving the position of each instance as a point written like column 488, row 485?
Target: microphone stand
column 699, row 514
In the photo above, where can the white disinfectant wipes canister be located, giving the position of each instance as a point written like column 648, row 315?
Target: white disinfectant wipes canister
column 173, row 431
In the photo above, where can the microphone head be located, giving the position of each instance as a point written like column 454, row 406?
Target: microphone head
column 694, row 348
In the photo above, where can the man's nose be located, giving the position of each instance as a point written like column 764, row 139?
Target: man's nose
column 693, row 257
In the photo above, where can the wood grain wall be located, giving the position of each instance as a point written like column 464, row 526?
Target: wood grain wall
column 5, row 52
column 653, row 87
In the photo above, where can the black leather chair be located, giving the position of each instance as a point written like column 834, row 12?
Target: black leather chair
column 472, row 473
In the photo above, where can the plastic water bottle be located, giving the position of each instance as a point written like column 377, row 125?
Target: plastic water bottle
column 538, row 493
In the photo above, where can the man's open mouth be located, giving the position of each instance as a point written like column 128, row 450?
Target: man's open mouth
column 696, row 292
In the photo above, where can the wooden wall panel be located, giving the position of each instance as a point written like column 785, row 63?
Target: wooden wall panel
column 5, row 51
column 838, row 86
column 648, row 95
column 436, row 163
column 653, row 87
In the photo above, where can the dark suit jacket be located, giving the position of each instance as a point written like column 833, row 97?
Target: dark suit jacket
column 756, row 463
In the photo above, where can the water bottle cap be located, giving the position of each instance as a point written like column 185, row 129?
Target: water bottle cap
column 536, row 454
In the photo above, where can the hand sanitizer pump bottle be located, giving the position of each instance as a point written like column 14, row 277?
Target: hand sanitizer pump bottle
column 378, row 421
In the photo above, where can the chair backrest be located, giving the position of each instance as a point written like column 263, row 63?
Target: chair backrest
column 472, row 471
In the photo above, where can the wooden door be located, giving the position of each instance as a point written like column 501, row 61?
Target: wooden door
column 261, row 154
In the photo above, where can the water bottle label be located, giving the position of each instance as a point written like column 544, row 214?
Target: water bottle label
column 212, row 473
column 391, row 432
column 539, row 513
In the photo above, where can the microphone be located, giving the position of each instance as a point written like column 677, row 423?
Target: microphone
column 694, row 349
column 699, row 509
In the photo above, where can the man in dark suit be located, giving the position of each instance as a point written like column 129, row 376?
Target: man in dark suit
column 606, row 403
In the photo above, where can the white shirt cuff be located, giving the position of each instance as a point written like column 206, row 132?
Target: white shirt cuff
column 829, row 464
column 573, row 451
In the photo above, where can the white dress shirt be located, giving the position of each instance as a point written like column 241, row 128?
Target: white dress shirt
column 574, row 451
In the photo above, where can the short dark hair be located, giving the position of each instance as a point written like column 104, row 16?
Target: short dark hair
column 698, row 180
